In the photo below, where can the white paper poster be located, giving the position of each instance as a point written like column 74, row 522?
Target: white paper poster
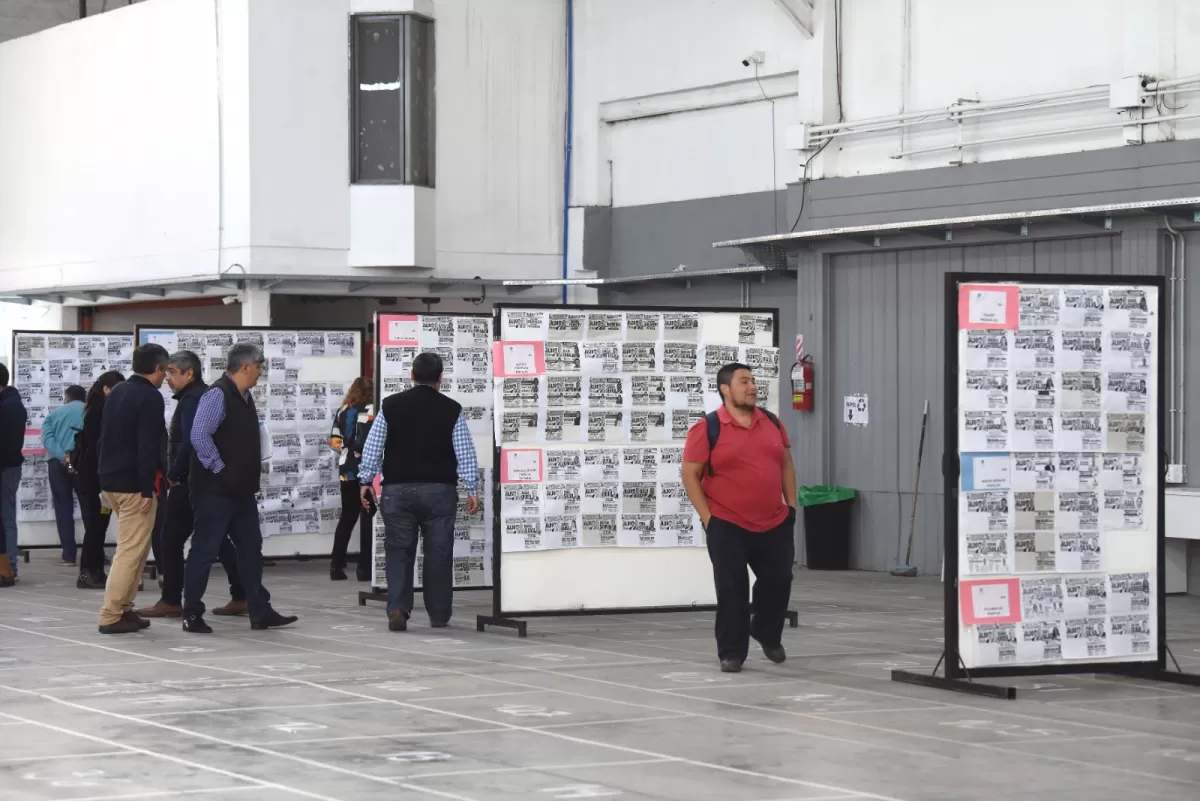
column 607, row 405
column 855, row 411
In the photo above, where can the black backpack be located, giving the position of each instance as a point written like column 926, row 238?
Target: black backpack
column 714, row 431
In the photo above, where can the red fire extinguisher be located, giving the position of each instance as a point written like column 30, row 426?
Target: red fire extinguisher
column 802, row 385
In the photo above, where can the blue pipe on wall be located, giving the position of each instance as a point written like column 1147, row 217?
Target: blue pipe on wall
column 570, row 135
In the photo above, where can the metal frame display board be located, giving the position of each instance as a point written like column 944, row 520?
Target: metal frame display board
column 378, row 591
column 1053, row 467
column 28, row 473
column 626, row 566
column 147, row 330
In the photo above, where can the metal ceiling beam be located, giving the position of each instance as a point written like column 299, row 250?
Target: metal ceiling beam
column 792, row 240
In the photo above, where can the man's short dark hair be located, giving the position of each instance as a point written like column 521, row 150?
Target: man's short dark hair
column 725, row 376
column 148, row 358
column 185, row 360
column 427, row 368
column 75, row 393
column 3, row 376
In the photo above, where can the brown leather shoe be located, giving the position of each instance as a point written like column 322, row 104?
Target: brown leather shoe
column 232, row 609
column 122, row 626
column 161, row 609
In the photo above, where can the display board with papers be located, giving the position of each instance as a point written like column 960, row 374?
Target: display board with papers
column 1055, row 531
column 306, row 376
column 45, row 363
column 592, row 409
column 464, row 343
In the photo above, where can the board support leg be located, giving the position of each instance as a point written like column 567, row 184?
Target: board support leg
column 793, row 618
column 374, row 594
column 483, row 621
column 25, row 556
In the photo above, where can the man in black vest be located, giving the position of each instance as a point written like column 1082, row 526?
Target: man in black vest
column 422, row 441
column 184, row 377
column 224, row 479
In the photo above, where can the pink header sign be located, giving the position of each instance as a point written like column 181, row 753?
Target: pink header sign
column 989, row 306
column 990, row 601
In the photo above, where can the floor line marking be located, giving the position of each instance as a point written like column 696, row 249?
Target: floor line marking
column 229, row 774
column 50, row 757
column 160, row 794
column 432, row 710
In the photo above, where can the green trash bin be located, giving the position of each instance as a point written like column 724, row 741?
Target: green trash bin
column 826, row 526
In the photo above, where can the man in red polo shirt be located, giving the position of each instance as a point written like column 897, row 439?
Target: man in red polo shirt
column 744, row 489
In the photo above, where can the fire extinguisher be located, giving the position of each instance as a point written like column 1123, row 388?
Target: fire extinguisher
column 802, row 385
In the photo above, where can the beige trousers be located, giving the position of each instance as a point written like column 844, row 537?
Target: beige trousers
column 133, row 544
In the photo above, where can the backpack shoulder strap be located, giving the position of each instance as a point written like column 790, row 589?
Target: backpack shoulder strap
column 773, row 419
column 714, row 431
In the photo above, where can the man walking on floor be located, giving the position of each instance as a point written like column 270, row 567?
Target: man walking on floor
column 224, row 479
column 745, row 493
column 131, row 469
column 58, row 438
column 420, row 438
column 12, row 441
column 183, row 376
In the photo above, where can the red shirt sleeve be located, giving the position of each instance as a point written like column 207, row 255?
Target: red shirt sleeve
column 696, row 447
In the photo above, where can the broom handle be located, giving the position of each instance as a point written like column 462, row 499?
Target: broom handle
column 912, row 521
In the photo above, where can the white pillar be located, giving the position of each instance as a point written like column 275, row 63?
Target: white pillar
column 256, row 307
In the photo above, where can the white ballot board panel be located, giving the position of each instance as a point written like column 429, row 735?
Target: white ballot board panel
column 464, row 342
column 1055, row 523
column 44, row 364
column 307, row 374
column 592, row 408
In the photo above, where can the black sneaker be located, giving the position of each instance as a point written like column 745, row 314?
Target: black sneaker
column 362, row 575
column 141, row 622
column 272, row 620
column 773, row 652
column 122, row 626
column 196, row 625
column 337, row 574
column 8, row 581
column 438, row 624
column 397, row 621
column 731, row 666
column 91, row 580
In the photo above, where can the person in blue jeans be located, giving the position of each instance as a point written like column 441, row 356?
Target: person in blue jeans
column 12, row 441
column 58, row 438
column 421, row 443
column 224, row 478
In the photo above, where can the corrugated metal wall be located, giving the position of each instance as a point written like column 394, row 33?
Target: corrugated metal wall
column 885, row 318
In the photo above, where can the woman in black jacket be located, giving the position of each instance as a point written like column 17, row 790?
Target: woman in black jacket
column 87, row 486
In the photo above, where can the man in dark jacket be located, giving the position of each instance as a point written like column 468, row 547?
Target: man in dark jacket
column 224, row 477
column 130, row 471
column 184, row 378
column 12, row 440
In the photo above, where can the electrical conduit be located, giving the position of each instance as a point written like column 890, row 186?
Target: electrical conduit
column 566, row 226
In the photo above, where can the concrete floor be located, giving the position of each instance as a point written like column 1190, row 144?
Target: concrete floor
column 628, row 708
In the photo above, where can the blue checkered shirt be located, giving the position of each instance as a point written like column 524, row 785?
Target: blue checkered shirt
column 464, row 452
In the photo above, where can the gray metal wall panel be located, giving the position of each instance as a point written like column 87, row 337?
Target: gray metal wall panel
column 1114, row 175
column 1092, row 255
column 863, row 360
column 656, row 238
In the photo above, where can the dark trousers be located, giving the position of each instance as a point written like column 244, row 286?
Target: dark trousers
column 10, row 482
column 178, row 522
column 352, row 512
column 427, row 509
column 770, row 555
column 95, row 527
column 64, row 507
column 218, row 517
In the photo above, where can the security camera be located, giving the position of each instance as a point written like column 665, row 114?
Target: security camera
column 757, row 57
column 229, row 300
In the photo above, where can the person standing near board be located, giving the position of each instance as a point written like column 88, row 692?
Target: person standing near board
column 421, row 442
column 58, row 438
column 346, row 438
column 12, row 442
column 225, row 474
column 744, row 490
